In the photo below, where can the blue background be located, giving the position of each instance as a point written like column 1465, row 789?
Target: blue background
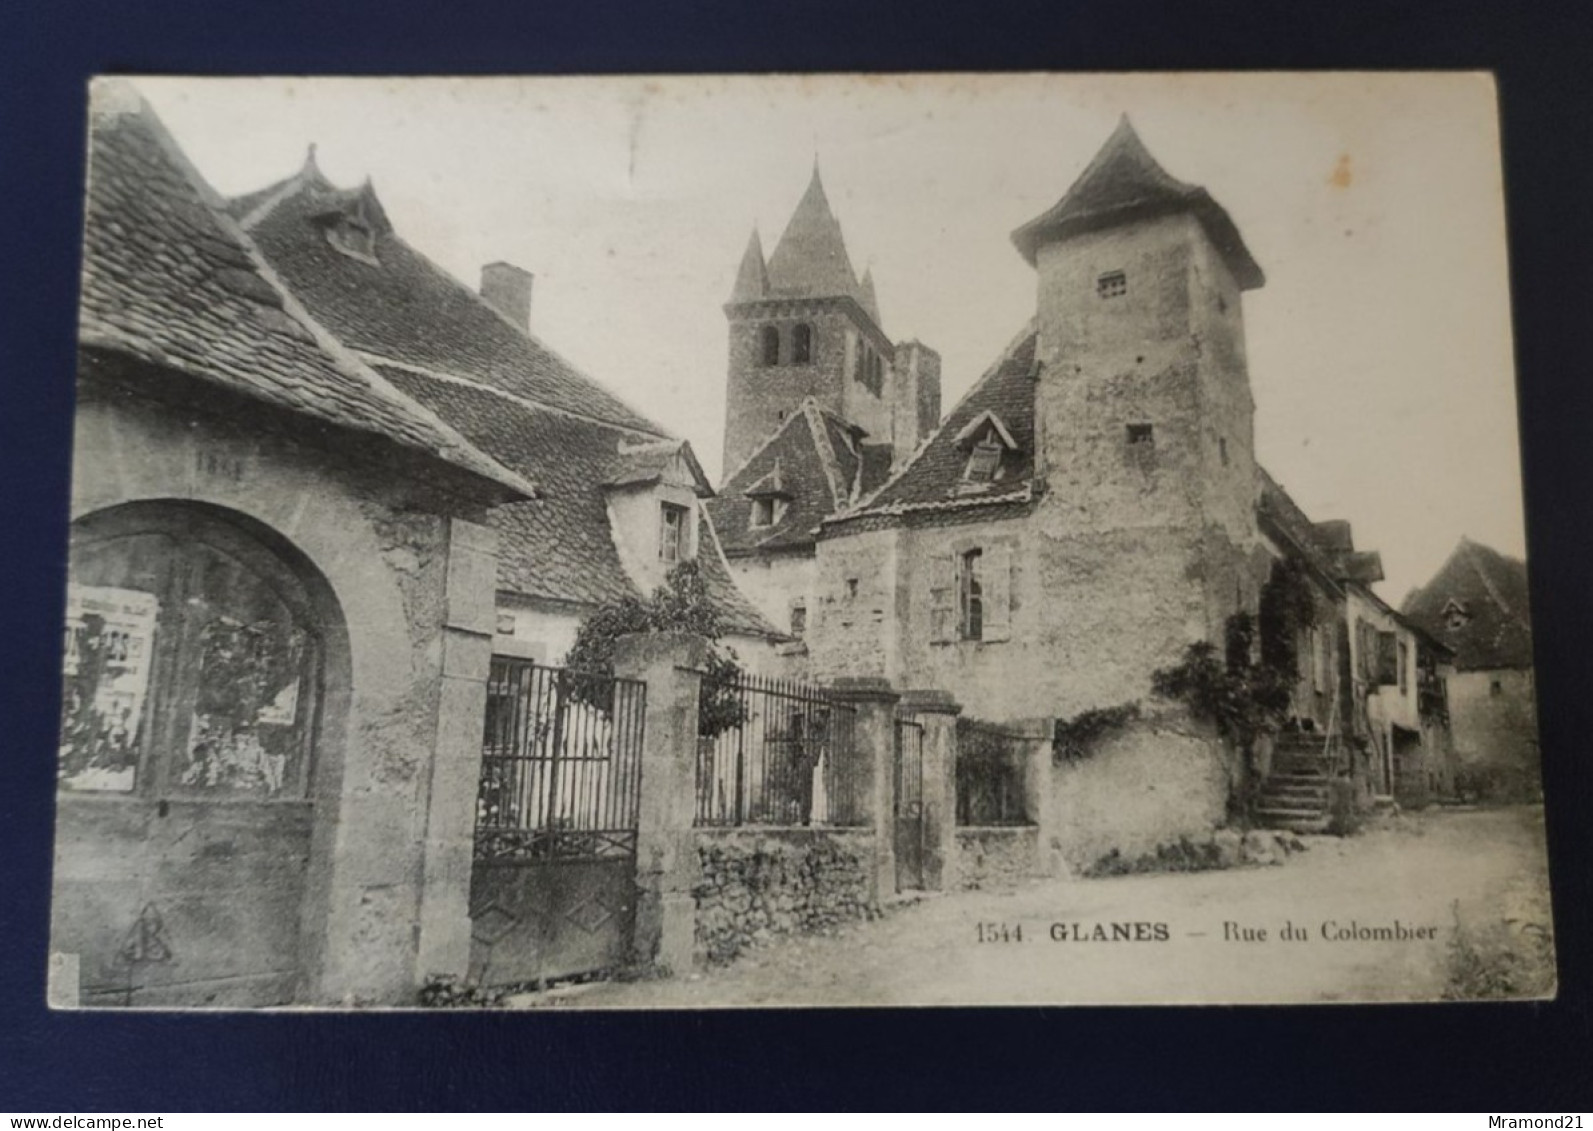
column 1501, row 1057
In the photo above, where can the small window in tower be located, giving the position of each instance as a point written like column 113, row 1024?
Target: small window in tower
column 799, row 620
column 1496, row 688
column 1113, row 284
column 1222, row 450
column 802, row 344
column 1141, row 436
column 851, row 588
column 763, row 512
column 769, row 339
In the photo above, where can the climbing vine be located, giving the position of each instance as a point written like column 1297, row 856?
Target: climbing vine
column 1246, row 693
column 1073, row 739
column 680, row 604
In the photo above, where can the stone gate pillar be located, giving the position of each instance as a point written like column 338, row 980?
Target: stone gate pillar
column 443, row 934
column 874, row 748
column 666, row 850
column 936, row 712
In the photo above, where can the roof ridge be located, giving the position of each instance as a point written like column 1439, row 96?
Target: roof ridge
column 726, row 480
column 1030, row 328
column 1468, row 548
column 827, row 460
column 373, row 358
column 345, row 360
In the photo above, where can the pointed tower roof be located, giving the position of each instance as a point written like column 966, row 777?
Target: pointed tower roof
column 866, row 298
column 810, row 261
column 752, row 280
column 1125, row 183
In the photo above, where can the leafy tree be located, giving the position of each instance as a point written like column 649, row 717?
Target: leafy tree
column 680, row 604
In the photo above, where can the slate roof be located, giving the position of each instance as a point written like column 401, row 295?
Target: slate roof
column 1492, row 590
column 819, row 461
column 170, row 279
column 405, row 309
column 933, row 478
column 1125, row 182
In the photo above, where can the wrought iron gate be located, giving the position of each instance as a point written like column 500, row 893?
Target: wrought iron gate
column 552, row 890
column 908, row 807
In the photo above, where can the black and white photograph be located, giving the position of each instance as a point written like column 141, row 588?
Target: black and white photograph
column 700, row 542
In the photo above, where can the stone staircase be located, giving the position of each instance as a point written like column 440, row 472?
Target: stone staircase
column 1296, row 794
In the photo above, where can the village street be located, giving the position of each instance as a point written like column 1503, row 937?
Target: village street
column 1412, row 868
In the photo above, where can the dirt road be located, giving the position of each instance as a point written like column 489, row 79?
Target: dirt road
column 1413, row 870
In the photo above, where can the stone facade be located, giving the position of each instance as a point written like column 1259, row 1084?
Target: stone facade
column 1495, row 731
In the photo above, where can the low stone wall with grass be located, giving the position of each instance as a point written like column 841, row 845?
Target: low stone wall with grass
column 996, row 856
column 760, row 883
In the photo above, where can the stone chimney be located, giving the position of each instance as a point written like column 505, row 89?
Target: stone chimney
column 507, row 289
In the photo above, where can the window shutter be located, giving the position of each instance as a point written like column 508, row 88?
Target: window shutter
column 1387, row 659
column 943, row 599
column 996, row 577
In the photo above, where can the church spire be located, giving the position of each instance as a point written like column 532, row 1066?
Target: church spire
column 752, row 280
column 810, row 261
column 866, row 298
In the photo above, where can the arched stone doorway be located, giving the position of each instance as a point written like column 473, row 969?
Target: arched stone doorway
column 205, row 695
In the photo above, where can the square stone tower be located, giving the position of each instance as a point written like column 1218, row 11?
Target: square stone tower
column 804, row 325
column 1144, row 433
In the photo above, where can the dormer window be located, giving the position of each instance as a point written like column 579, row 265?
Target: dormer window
column 988, row 444
column 801, row 344
column 671, row 533
column 1455, row 615
column 1113, row 284
column 769, row 346
column 985, row 462
column 352, row 221
column 765, row 511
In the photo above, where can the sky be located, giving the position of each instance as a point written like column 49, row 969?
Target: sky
column 1379, row 349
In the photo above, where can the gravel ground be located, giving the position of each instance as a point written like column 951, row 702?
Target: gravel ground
column 1411, row 868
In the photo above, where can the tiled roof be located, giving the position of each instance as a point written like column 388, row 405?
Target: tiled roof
column 404, row 308
column 169, row 278
column 1124, row 181
column 818, row 467
column 637, row 464
column 1275, row 505
column 561, row 547
column 933, row 478
column 1491, row 591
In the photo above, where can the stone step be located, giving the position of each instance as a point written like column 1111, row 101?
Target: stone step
column 1297, row 823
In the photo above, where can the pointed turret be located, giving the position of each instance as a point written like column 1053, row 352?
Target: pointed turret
column 1125, row 183
column 865, row 296
column 810, row 261
column 752, row 280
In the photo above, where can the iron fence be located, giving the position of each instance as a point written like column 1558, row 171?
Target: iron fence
column 782, row 754
column 561, row 764
column 991, row 775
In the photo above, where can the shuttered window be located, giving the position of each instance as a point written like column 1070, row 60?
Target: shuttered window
column 970, row 595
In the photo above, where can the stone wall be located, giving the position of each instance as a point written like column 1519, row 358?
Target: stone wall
column 1149, row 783
column 996, row 857
column 756, row 884
column 1496, row 730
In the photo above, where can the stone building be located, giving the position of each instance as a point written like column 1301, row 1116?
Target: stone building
column 1086, row 512
column 621, row 499
column 279, row 617
column 821, row 406
column 1478, row 603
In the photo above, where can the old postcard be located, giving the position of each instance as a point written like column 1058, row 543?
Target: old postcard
column 806, row 541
